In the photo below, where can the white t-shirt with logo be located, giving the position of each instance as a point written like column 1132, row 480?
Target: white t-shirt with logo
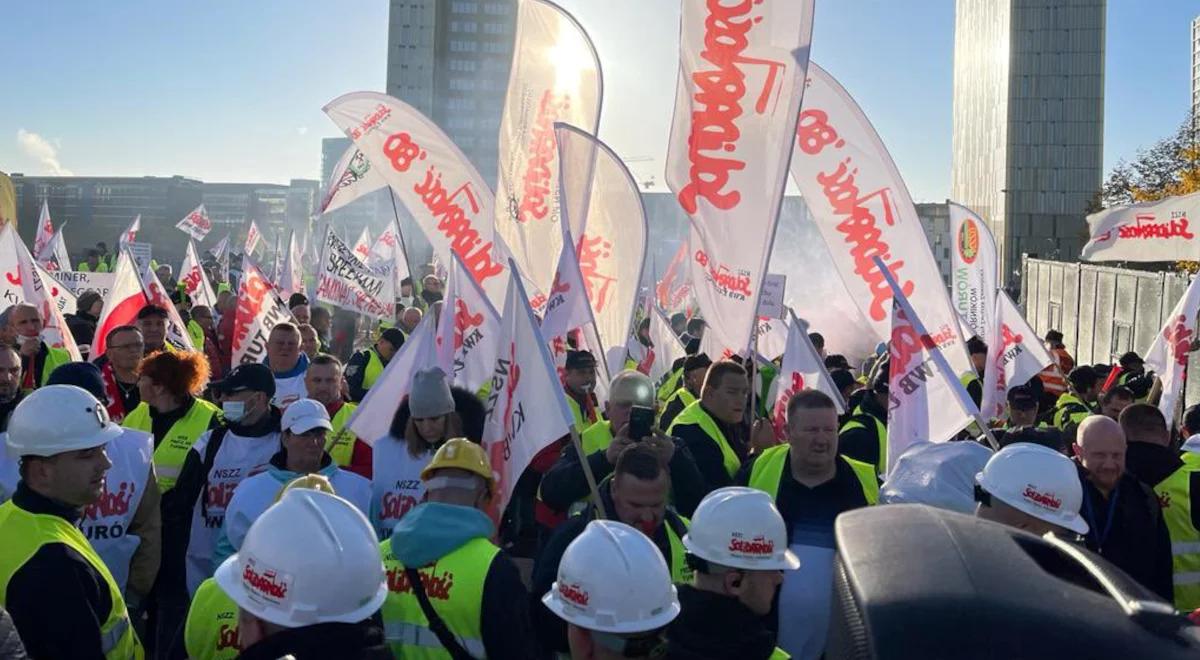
column 105, row 522
column 396, row 485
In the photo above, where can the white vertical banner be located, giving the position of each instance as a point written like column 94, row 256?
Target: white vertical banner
column 771, row 337
column 195, row 224
column 555, row 77
column 257, row 313
column 1147, row 231
column 45, row 230
column 1168, row 354
column 802, row 369
column 388, row 255
column 253, row 237
column 130, row 233
column 667, row 348
column 611, row 248
column 373, row 417
column 974, row 270
column 863, row 210
column 291, row 280
column 741, row 79
column 346, row 282
column 1015, row 355
column 352, row 178
column 432, row 178
column 195, row 282
column 468, row 330
column 526, row 408
column 25, row 281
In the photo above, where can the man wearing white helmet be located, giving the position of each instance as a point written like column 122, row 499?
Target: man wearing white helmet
column 1033, row 488
column 614, row 591
column 738, row 546
column 63, row 599
column 306, row 580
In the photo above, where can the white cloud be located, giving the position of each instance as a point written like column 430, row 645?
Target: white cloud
column 40, row 149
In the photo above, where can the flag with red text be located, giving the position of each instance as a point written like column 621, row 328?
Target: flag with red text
column 257, row 313
column 741, row 80
column 373, row 417
column 54, row 256
column 674, row 288
column 468, row 330
column 253, row 238
column 195, row 224
column 802, row 369
column 352, row 178
column 194, row 280
column 362, row 247
column 343, row 280
column 388, row 256
column 1146, row 231
column 130, row 233
column 291, row 279
column 45, row 230
column 666, row 345
column 566, row 307
column 177, row 333
column 1015, row 355
column 1168, row 354
column 125, row 299
column 25, row 281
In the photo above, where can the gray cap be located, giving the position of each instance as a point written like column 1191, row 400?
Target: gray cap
column 430, row 396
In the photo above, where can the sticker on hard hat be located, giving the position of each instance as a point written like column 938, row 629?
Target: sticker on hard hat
column 1047, row 500
column 265, row 582
column 573, row 593
column 759, row 546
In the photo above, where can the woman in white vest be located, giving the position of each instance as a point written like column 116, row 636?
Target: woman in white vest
column 421, row 424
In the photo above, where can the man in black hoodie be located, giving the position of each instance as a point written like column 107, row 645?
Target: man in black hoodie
column 1149, row 455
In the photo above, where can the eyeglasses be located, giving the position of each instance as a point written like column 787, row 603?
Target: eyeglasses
column 124, row 347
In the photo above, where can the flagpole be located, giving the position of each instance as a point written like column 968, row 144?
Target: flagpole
column 587, row 473
column 400, row 234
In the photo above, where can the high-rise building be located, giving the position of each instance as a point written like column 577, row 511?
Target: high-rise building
column 935, row 218
column 1195, row 73
column 1029, row 121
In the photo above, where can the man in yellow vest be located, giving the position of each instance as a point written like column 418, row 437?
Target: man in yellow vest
column 448, row 585
column 366, row 366
column 579, row 384
column 63, row 599
column 323, row 381
column 1080, row 401
column 864, row 436
column 738, row 545
column 92, row 263
column 971, row 381
column 1116, row 399
column 38, row 359
column 636, row 494
column 811, row 484
column 694, row 369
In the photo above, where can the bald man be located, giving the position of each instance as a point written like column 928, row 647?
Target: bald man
column 1125, row 522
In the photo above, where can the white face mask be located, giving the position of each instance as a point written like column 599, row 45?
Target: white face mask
column 234, row 410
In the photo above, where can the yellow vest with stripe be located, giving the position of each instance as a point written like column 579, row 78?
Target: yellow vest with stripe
column 683, row 395
column 340, row 444
column 681, row 573
column 670, row 385
column 174, row 447
column 694, row 414
column 581, row 422
column 1067, row 410
column 211, row 632
column 857, row 422
column 454, row 585
column 373, row 370
column 768, row 472
column 1175, row 495
column 24, row 533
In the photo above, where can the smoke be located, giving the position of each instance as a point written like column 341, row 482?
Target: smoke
column 40, row 149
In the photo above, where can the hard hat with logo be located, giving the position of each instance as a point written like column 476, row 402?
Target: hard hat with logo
column 59, row 418
column 633, row 387
column 613, row 579
column 462, row 454
column 740, row 528
column 310, row 481
column 282, row 572
column 1038, row 481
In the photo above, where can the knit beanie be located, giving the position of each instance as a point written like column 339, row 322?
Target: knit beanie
column 430, row 396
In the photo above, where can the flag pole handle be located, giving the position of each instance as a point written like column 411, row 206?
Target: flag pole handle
column 587, row 474
column 987, row 433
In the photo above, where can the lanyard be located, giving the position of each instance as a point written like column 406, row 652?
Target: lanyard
column 1101, row 537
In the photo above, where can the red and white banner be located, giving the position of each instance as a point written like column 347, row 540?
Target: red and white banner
column 130, row 233
column 974, row 270
column 362, row 247
column 927, row 403
column 253, row 238
column 1148, row 231
column 388, row 256
column 1015, row 355
column 605, row 211
column 25, row 281
column 771, row 337
column 291, row 279
column 54, row 257
column 555, row 77
column 675, row 288
column 741, row 79
column 373, row 417
column 346, row 282
column 194, row 280
column 221, row 250
column 177, row 333
column 802, row 369
column 125, row 299
column 1168, row 354
column 195, row 224
column 257, row 312
column 468, row 330
column 45, row 230
column 352, row 178
column 863, row 210
column 433, row 179
column 526, row 408
column 667, row 347
column 567, row 307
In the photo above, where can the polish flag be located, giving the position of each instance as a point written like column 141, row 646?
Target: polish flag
column 125, row 299
column 130, row 234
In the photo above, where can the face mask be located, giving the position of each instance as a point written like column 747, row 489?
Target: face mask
column 234, row 410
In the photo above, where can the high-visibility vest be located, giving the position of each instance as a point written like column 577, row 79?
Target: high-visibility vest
column 1070, row 409
column 24, row 533
column 55, row 357
column 768, row 472
column 859, row 420
column 454, row 585
column 683, row 395
column 340, row 442
column 670, row 385
column 100, row 267
column 174, row 446
column 596, row 438
column 373, row 370
column 196, row 333
column 1175, row 496
column 211, row 631
column 581, row 422
column 694, row 414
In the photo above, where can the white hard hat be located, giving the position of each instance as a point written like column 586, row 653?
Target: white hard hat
column 740, row 528
column 304, row 415
column 1038, row 481
column 613, row 579
column 59, row 418
column 311, row 558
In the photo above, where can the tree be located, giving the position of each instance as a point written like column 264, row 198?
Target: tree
column 1171, row 167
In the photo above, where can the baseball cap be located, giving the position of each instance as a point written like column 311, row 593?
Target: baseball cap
column 1129, row 359
column 580, row 360
column 394, row 336
column 1022, row 399
column 697, row 361
column 252, row 376
column 304, row 415
column 152, row 310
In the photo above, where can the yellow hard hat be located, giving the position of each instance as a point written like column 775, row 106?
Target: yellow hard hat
column 461, row 454
column 309, row 481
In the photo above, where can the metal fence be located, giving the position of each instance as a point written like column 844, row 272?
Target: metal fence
column 1102, row 311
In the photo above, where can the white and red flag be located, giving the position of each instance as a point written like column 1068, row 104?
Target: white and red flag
column 1015, row 355
column 343, row 280
column 468, row 330
column 362, row 247
column 130, row 233
column 257, row 313
column 25, row 281
column 195, row 224
column 177, row 333
column 253, row 238
column 291, row 279
column 353, row 177
column 526, row 408
column 373, row 417
column 54, row 256
column 667, row 347
column 125, row 299
column 555, row 77
column 802, row 369
column 674, row 288
column 1147, row 231
column 974, row 270
column 195, row 281
column 741, row 80
column 1168, row 354
column 566, row 307
column 389, row 256
column 45, row 230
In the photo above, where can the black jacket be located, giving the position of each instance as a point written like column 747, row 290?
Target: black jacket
column 11, row 647
column 708, row 455
column 346, row 641
column 715, row 627
column 1151, row 463
column 670, row 412
column 83, row 328
column 57, row 599
column 356, row 370
column 862, row 444
column 1136, row 539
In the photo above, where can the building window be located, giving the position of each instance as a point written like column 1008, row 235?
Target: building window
column 467, row 27
column 496, row 8
column 494, row 28
column 495, row 47
column 464, row 7
column 457, row 46
column 462, row 84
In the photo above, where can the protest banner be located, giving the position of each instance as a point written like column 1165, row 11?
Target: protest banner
column 195, row 282
column 1146, row 231
column 1015, row 355
column 352, row 178
column 802, row 368
column 257, row 312
column 142, row 254
column 253, row 238
column 468, row 330
column 346, row 282
column 195, row 224
column 130, row 233
column 80, row 281
column 362, row 247
column 45, row 231
column 25, row 281
column 974, row 269
column 771, row 304
column 373, row 417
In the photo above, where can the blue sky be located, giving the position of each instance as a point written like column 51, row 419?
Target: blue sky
column 227, row 90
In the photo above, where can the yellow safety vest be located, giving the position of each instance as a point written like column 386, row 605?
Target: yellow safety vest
column 856, row 422
column 670, row 385
column 694, row 414
column 681, row 573
column 100, row 267
column 597, row 437
column 211, row 631
column 768, row 472
column 454, row 585
column 581, row 423
column 174, row 447
column 55, row 357
column 1066, row 410
column 197, row 334
column 683, row 395
column 340, row 443
column 373, row 370
column 24, row 533
column 1175, row 496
